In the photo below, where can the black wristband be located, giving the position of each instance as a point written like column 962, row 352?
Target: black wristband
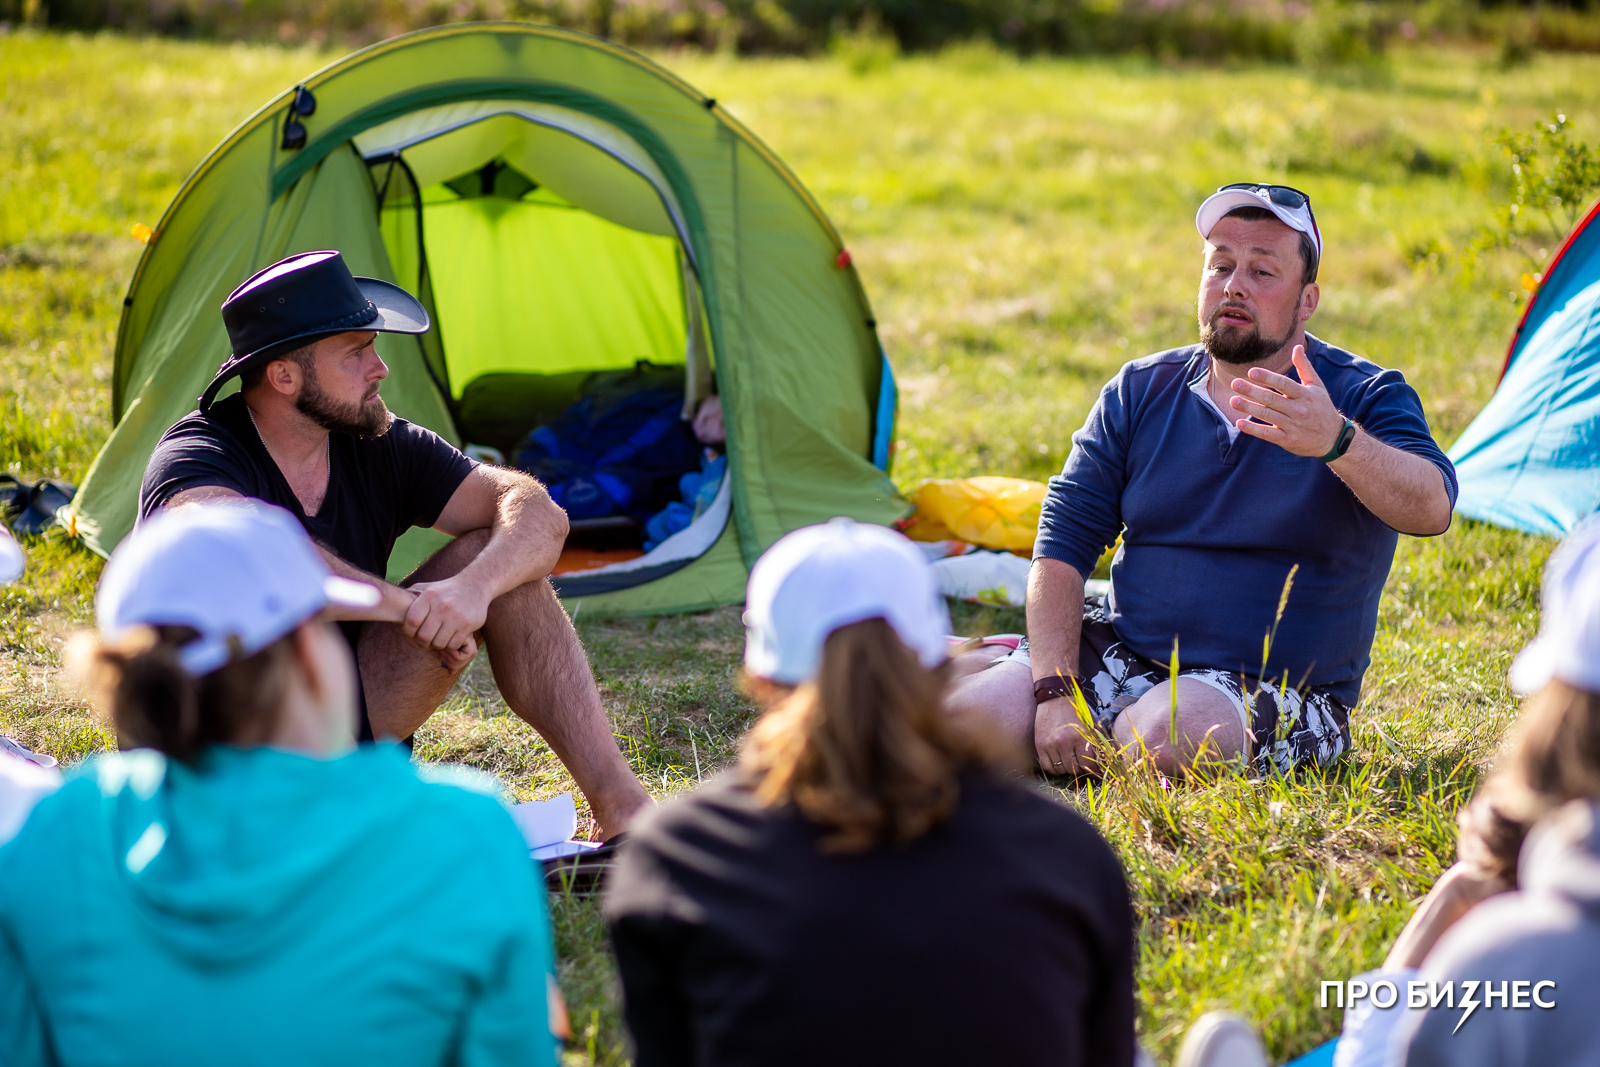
column 1341, row 445
column 1050, row 688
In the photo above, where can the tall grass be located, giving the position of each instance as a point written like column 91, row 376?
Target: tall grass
column 1023, row 227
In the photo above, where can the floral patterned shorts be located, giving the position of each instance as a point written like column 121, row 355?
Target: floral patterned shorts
column 1288, row 728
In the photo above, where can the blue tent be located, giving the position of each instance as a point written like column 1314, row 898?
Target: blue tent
column 1531, row 459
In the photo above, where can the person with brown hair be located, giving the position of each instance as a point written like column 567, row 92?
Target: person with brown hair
column 1522, row 905
column 245, row 884
column 872, row 884
column 1504, row 952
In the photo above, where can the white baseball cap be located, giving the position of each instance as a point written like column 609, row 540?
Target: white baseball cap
column 241, row 573
column 1292, row 207
column 1568, row 645
column 817, row 579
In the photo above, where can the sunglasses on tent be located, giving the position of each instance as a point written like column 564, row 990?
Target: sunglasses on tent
column 1282, row 195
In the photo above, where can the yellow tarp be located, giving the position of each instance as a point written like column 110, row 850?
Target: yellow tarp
column 992, row 512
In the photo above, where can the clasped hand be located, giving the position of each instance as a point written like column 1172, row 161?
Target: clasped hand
column 444, row 618
column 1297, row 416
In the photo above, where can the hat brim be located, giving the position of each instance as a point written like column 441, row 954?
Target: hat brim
column 1217, row 205
column 398, row 312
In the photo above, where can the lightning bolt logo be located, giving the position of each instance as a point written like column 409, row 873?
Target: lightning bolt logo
column 1469, row 1000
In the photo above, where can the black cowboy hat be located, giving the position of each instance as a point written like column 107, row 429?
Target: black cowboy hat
column 301, row 299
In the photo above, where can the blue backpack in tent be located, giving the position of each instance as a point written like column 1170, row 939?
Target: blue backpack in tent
column 613, row 453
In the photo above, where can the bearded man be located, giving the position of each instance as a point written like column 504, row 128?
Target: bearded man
column 308, row 431
column 1258, row 482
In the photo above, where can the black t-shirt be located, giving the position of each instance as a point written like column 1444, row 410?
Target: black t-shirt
column 378, row 487
column 1004, row 935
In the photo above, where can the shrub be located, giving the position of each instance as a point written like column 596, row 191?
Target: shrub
column 868, row 33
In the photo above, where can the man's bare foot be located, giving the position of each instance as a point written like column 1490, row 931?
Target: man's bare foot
column 623, row 810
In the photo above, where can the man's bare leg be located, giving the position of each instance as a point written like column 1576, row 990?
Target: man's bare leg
column 1002, row 691
column 542, row 672
column 1204, row 715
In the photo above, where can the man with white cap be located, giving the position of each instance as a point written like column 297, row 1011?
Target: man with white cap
column 871, row 885
column 1257, row 481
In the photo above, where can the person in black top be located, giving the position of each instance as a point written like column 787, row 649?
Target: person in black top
column 870, row 886
column 309, row 432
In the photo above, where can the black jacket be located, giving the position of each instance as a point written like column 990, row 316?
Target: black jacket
column 1004, row 935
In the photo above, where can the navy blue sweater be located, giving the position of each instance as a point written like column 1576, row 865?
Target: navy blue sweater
column 1211, row 529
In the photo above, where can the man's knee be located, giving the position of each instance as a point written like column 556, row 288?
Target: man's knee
column 450, row 560
column 1203, row 717
column 1146, row 726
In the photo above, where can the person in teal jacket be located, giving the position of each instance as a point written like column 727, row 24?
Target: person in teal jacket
column 243, row 885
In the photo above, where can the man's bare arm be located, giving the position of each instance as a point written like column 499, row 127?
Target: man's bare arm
column 526, row 528
column 390, row 608
column 1406, row 491
column 1055, row 618
column 526, row 533
column 200, row 494
column 1055, row 628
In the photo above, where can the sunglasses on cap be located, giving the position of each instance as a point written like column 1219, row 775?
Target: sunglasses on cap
column 1282, row 195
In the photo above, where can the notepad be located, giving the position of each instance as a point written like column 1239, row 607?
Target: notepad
column 548, row 827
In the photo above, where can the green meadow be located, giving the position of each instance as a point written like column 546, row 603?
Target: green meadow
column 1022, row 227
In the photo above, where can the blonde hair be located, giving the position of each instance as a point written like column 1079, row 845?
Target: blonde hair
column 1552, row 757
column 867, row 749
column 154, row 703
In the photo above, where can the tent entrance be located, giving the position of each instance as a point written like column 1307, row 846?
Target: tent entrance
column 557, row 276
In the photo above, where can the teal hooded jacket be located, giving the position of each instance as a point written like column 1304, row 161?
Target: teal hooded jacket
column 271, row 908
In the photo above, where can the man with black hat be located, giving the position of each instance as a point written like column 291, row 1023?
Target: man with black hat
column 308, row 431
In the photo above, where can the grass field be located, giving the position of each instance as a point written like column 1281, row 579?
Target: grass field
column 1023, row 228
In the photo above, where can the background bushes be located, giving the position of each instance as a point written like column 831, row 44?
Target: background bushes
column 1310, row 32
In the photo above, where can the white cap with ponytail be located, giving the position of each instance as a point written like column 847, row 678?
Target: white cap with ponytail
column 820, row 578
column 241, row 574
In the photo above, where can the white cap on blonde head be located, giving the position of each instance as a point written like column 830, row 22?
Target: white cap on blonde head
column 1568, row 645
column 240, row 573
column 820, row 578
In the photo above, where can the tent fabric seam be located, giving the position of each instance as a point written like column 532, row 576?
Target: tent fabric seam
column 1519, row 335
column 674, row 212
column 749, row 542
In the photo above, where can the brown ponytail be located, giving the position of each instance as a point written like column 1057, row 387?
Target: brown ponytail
column 867, row 748
column 1553, row 756
column 154, row 703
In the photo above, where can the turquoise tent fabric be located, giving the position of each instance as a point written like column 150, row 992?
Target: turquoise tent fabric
column 1531, row 459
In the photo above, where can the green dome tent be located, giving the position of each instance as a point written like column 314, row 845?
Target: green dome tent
column 564, row 207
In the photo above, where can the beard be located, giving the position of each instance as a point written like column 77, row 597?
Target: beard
column 1238, row 345
column 366, row 418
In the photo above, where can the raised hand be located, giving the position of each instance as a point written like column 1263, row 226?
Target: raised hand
column 1296, row 416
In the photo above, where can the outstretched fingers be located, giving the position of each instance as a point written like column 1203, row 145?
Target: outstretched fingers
column 1262, row 380
column 1302, row 363
column 1264, row 430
